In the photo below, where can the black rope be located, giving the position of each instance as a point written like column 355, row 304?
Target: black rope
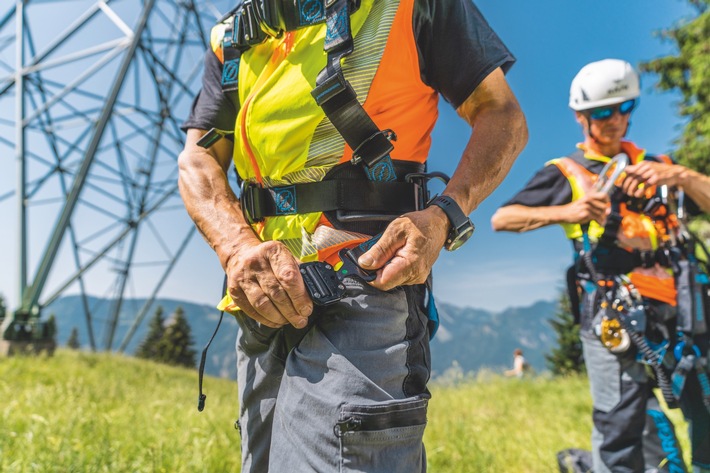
column 201, row 399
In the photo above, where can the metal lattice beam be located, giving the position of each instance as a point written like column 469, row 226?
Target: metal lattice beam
column 91, row 97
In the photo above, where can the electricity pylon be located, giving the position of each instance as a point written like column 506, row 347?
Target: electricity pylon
column 92, row 94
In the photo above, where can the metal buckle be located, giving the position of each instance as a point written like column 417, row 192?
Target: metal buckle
column 420, row 180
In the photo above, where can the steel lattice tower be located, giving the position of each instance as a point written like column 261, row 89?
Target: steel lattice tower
column 92, row 94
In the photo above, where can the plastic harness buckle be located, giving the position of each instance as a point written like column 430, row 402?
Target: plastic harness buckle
column 325, row 284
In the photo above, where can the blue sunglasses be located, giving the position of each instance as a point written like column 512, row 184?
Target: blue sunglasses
column 604, row 113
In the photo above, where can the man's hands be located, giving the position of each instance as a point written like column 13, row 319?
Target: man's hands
column 265, row 282
column 408, row 248
column 592, row 206
column 647, row 173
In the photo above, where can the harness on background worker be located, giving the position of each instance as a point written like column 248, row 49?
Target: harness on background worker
column 626, row 317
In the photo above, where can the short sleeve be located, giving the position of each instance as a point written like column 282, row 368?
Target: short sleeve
column 547, row 188
column 211, row 108
column 457, row 47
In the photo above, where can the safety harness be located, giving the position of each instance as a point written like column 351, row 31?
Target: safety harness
column 382, row 197
column 693, row 287
column 623, row 312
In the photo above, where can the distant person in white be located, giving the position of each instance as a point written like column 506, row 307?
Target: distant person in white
column 518, row 364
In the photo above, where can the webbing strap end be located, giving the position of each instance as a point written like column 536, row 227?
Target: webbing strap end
column 332, row 87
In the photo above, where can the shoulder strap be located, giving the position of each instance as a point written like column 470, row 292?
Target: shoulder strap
column 334, row 94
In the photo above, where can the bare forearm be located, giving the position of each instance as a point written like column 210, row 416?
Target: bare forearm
column 697, row 186
column 519, row 218
column 212, row 205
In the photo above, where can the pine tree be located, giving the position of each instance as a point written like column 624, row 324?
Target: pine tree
column 567, row 357
column 51, row 328
column 73, row 341
column 3, row 309
column 175, row 347
column 148, row 349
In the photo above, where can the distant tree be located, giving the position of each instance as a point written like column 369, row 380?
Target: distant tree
column 175, row 347
column 51, row 330
column 567, row 357
column 148, row 348
column 688, row 71
column 3, row 309
column 73, row 341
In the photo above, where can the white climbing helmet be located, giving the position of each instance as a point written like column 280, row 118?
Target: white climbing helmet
column 605, row 82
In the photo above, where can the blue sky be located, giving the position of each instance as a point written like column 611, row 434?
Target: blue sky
column 552, row 40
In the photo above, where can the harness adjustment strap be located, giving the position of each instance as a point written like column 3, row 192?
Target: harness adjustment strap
column 339, row 101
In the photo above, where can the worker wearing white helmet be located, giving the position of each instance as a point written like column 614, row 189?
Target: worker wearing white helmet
column 628, row 242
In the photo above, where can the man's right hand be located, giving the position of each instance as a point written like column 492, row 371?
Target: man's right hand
column 592, row 206
column 265, row 282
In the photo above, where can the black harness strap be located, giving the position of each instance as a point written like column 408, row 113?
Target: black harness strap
column 346, row 195
column 371, row 146
column 232, row 55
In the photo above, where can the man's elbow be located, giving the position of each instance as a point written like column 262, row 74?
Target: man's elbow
column 498, row 222
column 516, row 122
column 186, row 164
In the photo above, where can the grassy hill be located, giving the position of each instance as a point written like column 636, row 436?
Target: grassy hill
column 80, row 412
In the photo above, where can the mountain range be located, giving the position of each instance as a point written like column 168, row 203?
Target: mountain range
column 468, row 339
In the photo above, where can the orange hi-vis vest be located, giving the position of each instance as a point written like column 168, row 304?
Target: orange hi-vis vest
column 283, row 137
column 637, row 231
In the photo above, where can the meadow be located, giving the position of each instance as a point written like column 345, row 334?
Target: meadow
column 82, row 412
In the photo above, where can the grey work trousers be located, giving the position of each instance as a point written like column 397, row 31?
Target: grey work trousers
column 346, row 394
column 620, row 388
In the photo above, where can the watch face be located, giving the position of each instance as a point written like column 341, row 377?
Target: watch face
column 461, row 238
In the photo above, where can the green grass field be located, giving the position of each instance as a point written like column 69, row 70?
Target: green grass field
column 79, row 412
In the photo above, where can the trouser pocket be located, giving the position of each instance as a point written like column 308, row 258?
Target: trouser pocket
column 384, row 437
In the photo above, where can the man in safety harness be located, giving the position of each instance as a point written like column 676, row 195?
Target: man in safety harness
column 326, row 108
column 644, row 301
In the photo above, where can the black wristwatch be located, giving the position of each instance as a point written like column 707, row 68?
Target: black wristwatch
column 461, row 226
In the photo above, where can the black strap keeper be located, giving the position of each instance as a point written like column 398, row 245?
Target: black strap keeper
column 333, row 86
column 373, row 149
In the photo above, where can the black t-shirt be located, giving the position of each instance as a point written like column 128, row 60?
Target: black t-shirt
column 457, row 49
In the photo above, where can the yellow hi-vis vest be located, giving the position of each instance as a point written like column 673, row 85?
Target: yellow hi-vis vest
column 282, row 136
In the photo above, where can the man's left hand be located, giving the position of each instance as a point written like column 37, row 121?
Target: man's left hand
column 408, row 248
